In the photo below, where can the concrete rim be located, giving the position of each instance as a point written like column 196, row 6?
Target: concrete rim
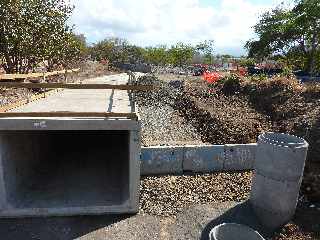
column 238, row 229
column 282, row 140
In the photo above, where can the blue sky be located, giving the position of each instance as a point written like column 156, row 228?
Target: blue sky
column 152, row 22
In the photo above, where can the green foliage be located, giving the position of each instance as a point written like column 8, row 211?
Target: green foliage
column 247, row 62
column 229, row 84
column 291, row 32
column 258, row 78
column 287, row 72
column 157, row 55
column 206, row 49
column 180, row 54
column 177, row 55
column 232, row 79
column 117, row 50
column 35, row 30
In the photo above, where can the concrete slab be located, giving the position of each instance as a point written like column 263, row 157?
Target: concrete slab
column 85, row 100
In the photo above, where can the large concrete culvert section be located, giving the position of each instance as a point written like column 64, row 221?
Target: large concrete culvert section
column 64, row 166
column 68, row 172
column 65, row 169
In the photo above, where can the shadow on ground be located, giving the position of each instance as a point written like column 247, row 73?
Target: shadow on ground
column 241, row 214
column 62, row 228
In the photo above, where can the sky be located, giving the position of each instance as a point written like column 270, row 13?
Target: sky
column 152, row 22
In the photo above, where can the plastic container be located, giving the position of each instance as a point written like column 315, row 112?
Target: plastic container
column 233, row 231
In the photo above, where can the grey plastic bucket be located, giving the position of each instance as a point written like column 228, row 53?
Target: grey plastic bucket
column 279, row 166
column 233, row 231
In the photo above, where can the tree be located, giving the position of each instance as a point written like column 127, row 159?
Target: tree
column 35, row 30
column 181, row 54
column 135, row 54
column 116, row 50
column 285, row 32
column 157, row 55
column 247, row 62
column 206, row 49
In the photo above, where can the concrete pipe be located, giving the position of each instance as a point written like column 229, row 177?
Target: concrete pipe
column 229, row 231
column 278, row 174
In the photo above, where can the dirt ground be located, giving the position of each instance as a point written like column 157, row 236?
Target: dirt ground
column 191, row 223
column 238, row 112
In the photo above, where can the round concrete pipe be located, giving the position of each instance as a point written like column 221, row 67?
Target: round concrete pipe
column 278, row 174
column 232, row 231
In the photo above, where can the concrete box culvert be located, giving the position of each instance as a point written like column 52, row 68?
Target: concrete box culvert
column 64, row 173
column 278, row 175
column 232, row 231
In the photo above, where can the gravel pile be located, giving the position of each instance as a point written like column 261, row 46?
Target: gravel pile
column 292, row 232
column 168, row 195
column 172, row 70
column 9, row 96
column 161, row 124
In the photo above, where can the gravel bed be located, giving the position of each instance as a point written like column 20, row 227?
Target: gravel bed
column 169, row 195
column 9, row 96
column 163, row 126
column 161, row 123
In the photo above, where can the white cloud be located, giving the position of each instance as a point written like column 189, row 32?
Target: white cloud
column 150, row 22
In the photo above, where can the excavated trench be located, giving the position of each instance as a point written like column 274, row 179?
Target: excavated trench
column 239, row 117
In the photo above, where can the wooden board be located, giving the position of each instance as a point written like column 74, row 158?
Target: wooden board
column 68, row 114
column 76, row 86
column 35, row 75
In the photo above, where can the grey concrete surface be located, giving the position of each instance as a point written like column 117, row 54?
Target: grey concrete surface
column 162, row 160
column 197, row 159
column 193, row 223
column 240, row 156
column 71, row 166
column 203, row 158
column 85, row 100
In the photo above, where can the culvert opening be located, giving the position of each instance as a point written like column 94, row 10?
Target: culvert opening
column 55, row 169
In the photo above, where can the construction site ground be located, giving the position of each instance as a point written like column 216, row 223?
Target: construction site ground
column 193, row 222
column 186, row 110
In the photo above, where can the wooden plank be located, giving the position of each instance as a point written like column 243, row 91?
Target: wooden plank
column 35, row 75
column 69, row 114
column 20, row 76
column 76, row 86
